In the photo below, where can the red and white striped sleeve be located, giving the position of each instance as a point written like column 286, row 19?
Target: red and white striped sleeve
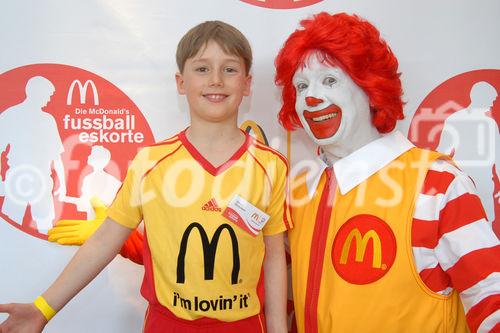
column 454, row 245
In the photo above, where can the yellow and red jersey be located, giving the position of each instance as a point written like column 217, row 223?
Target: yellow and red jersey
column 198, row 263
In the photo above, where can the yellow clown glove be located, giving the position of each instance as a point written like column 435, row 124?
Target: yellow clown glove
column 76, row 232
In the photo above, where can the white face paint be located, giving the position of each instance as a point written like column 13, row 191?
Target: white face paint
column 332, row 109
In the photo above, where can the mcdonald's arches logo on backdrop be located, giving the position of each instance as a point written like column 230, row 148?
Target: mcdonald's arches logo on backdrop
column 82, row 89
column 364, row 249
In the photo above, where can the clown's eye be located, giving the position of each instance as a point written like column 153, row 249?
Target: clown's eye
column 329, row 81
column 301, row 87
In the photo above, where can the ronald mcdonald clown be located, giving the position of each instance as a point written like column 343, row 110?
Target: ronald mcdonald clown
column 388, row 237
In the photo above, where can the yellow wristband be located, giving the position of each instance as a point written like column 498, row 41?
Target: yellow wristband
column 44, row 307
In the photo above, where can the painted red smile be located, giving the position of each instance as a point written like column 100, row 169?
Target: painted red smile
column 324, row 123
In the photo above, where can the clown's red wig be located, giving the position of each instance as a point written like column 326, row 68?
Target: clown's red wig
column 354, row 45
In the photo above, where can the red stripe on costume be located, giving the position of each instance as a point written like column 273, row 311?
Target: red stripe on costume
column 316, row 259
column 459, row 212
column 435, row 278
column 424, row 233
column 481, row 311
column 437, row 182
column 474, row 267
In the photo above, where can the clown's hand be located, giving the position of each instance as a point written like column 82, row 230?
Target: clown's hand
column 76, row 232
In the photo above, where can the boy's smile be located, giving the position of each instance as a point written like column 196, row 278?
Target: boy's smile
column 215, row 98
column 214, row 83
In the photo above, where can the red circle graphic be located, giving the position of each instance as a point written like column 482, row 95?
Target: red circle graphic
column 66, row 133
column 364, row 249
column 281, row 4
column 472, row 97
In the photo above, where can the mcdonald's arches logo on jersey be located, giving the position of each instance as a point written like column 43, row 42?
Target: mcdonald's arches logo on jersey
column 209, row 251
column 364, row 249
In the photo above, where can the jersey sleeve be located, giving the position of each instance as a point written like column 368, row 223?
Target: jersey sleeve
column 126, row 208
column 454, row 245
column 279, row 209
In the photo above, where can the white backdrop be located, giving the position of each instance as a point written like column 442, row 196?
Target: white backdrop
column 132, row 45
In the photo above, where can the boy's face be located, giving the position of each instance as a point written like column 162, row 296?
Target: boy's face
column 214, row 83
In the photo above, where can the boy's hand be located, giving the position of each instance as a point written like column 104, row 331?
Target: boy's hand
column 76, row 232
column 23, row 318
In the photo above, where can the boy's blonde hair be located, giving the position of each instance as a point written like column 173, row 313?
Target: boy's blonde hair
column 230, row 39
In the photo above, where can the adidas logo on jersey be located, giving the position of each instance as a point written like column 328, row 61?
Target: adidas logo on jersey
column 212, row 206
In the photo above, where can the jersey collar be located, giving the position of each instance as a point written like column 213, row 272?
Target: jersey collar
column 205, row 164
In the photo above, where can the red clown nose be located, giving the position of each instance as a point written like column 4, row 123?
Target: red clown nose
column 313, row 101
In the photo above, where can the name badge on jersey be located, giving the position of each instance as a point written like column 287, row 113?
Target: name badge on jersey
column 245, row 215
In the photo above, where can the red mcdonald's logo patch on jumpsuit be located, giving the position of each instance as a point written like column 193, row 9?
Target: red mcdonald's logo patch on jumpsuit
column 364, row 249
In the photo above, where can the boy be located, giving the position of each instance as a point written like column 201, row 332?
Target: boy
column 213, row 203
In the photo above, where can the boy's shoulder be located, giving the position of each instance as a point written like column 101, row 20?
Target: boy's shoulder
column 263, row 151
column 159, row 150
column 170, row 142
